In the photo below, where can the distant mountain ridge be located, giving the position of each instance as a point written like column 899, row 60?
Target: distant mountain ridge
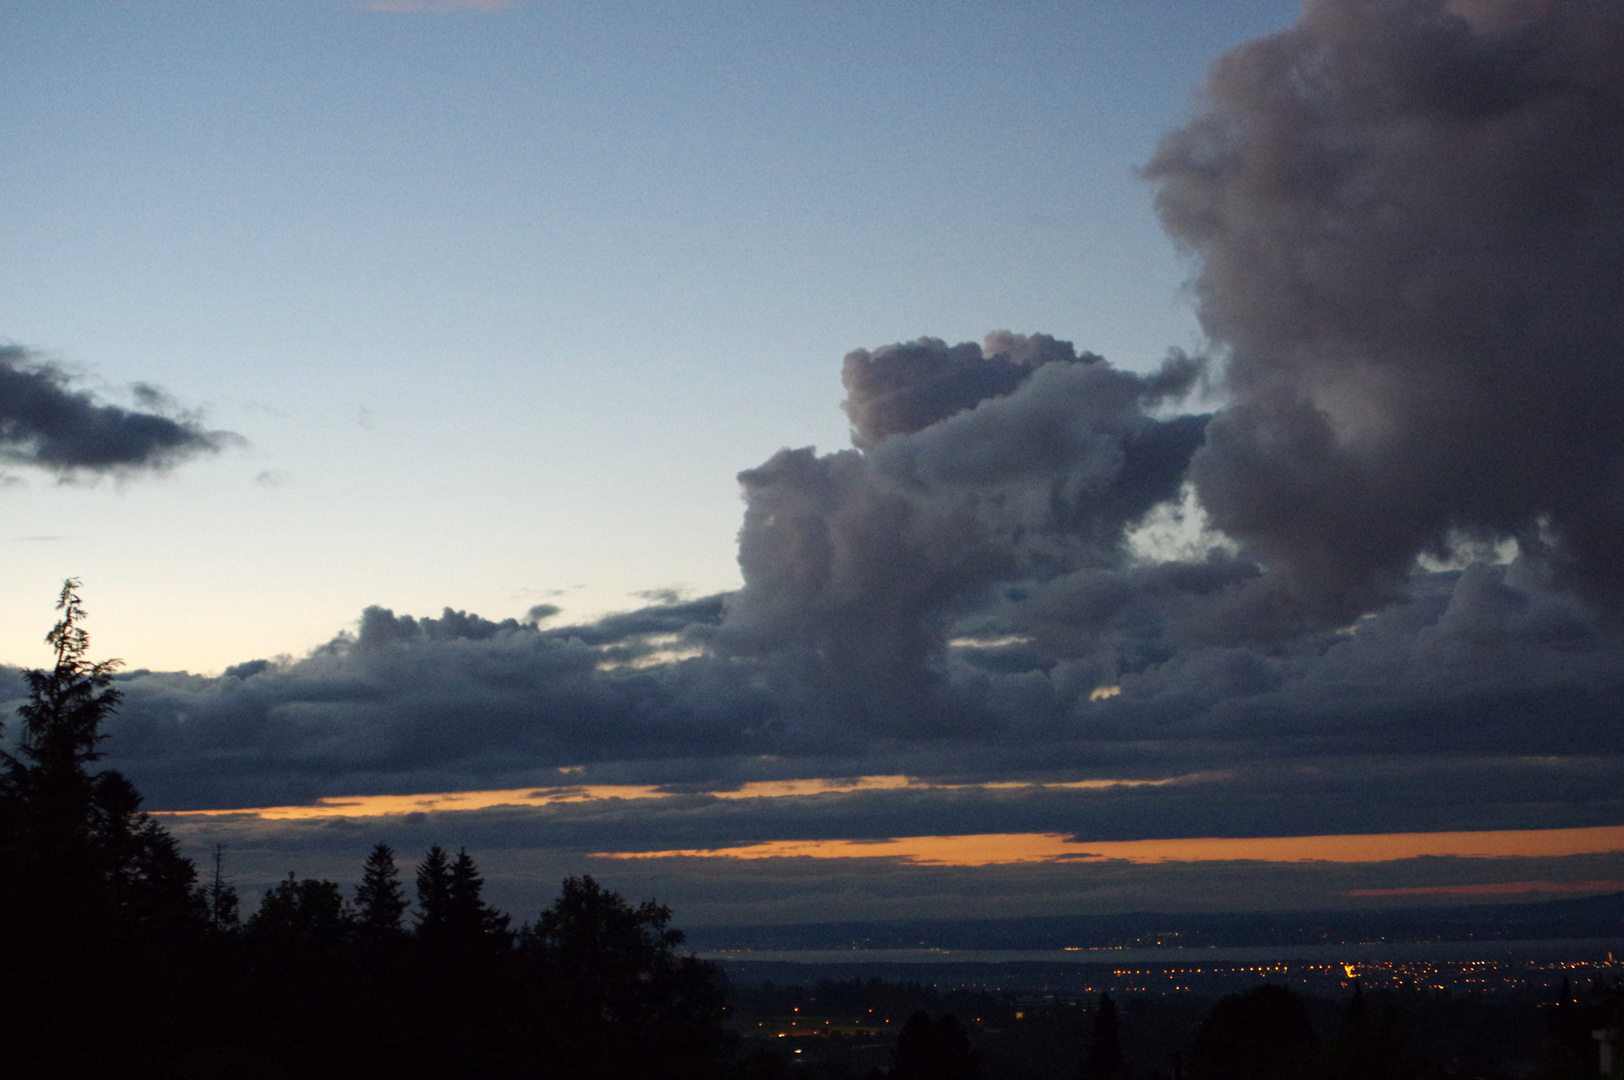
column 1586, row 917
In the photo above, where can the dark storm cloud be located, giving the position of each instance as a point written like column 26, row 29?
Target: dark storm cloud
column 856, row 563
column 904, row 388
column 523, row 862
column 1480, row 702
column 1304, row 797
column 1409, row 229
column 421, row 704
column 46, row 423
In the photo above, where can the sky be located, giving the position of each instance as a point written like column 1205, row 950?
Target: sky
column 838, row 461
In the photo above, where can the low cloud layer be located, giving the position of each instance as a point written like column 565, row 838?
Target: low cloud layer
column 47, row 424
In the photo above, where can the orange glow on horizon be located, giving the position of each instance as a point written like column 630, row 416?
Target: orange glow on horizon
column 440, row 802
column 999, row 849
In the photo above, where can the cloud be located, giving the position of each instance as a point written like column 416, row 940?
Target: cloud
column 46, row 424
column 1499, row 888
column 975, row 467
column 522, row 872
column 1000, row 849
column 899, row 389
column 1408, row 231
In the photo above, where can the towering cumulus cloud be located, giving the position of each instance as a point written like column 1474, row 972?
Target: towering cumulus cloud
column 45, row 423
column 1409, row 221
column 975, row 466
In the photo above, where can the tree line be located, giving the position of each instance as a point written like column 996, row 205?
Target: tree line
column 116, row 960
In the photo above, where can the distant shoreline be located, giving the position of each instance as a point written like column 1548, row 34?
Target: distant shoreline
column 1592, row 949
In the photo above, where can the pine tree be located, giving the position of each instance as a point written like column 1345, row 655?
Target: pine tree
column 380, row 901
column 87, row 857
column 94, row 891
column 433, row 892
column 1104, row 1060
column 49, row 779
column 224, row 917
column 468, row 916
column 934, row 1050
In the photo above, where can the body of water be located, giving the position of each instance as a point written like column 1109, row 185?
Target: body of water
column 1587, row 949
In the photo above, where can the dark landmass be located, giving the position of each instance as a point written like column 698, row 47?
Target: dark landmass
column 1567, row 919
column 841, row 1029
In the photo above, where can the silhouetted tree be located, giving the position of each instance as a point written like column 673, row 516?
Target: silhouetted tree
column 221, row 895
column 1104, row 1058
column 934, row 1050
column 96, row 894
column 380, row 901
column 1367, row 1046
column 293, row 913
column 85, row 853
column 433, row 892
column 1570, row 1050
column 633, row 1005
column 1263, row 1034
column 467, row 915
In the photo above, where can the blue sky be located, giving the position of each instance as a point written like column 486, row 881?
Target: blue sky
column 501, row 300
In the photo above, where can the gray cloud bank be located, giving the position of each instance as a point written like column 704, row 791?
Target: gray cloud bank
column 47, row 424
column 1410, row 234
column 1408, row 239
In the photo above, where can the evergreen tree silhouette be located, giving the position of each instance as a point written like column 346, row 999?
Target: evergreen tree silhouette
column 433, row 893
column 295, row 913
column 96, row 895
column 1366, row 1046
column 1104, row 1059
column 632, row 1004
column 221, row 894
column 467, row 915
column 89, row 857
column 934, row 1050
column 380, row 901
column 1263, row 1034
column 62, row 818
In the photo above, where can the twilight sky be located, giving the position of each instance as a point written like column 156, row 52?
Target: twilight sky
column 392, row 372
